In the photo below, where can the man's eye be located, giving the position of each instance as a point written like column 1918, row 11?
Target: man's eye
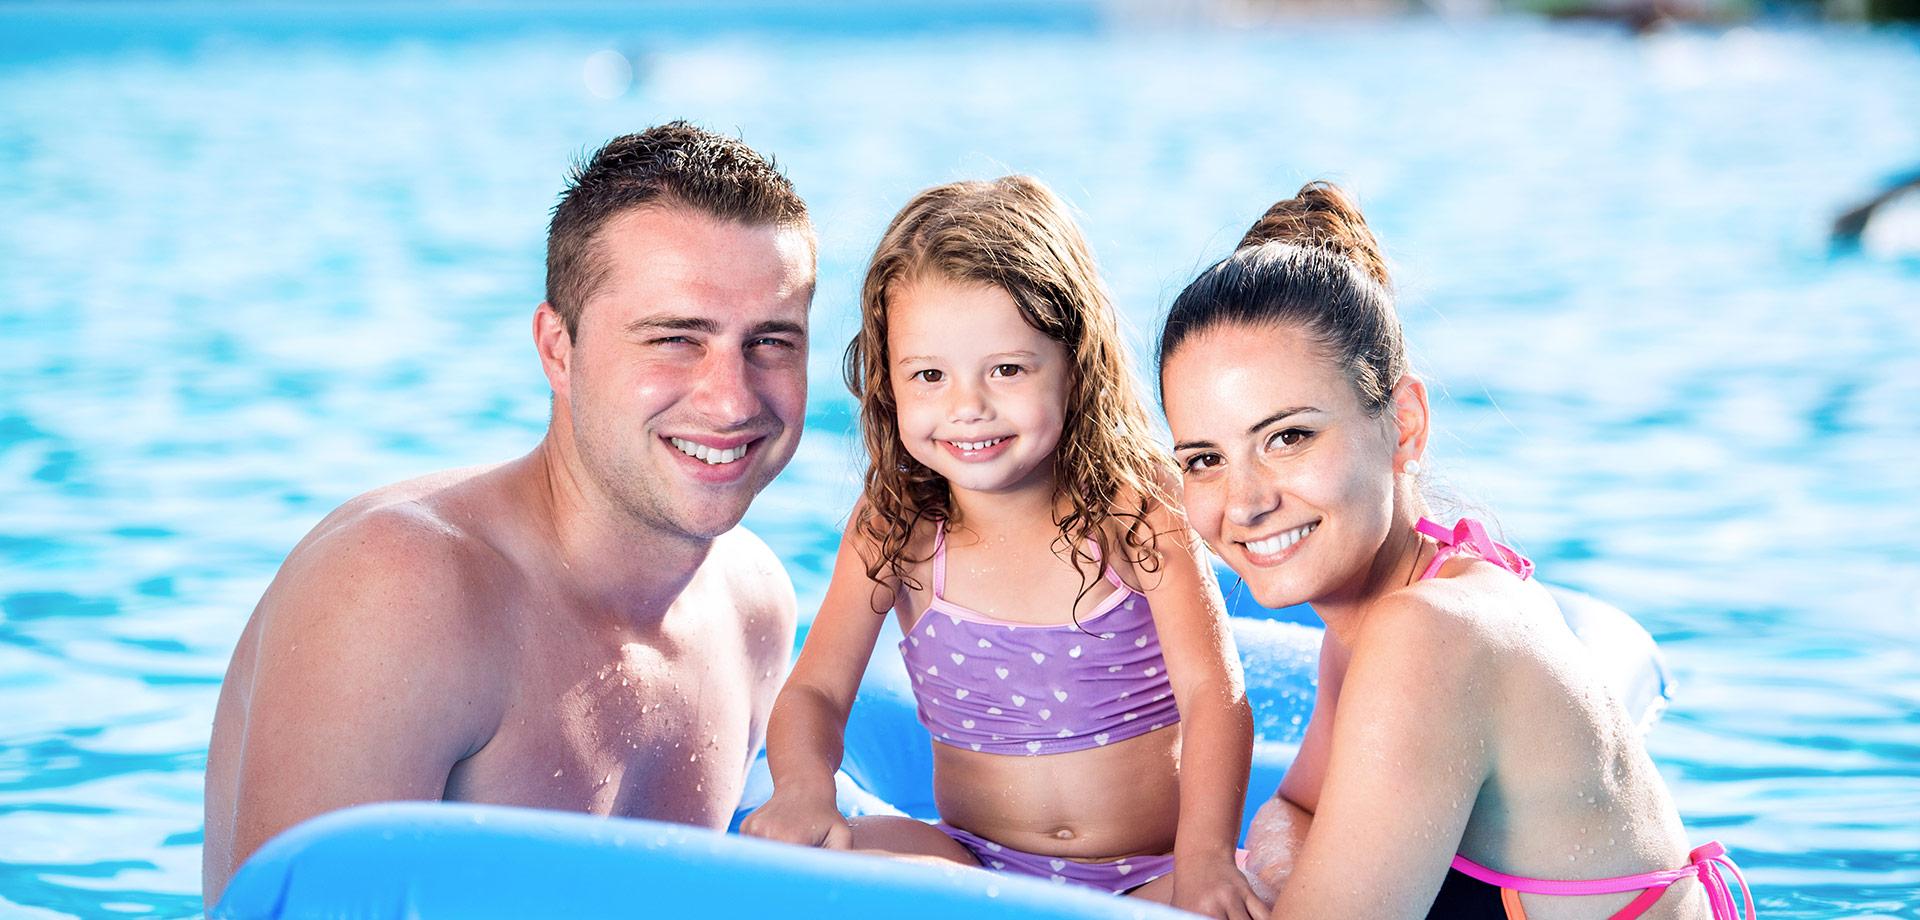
column 673, row 340
column 1199, row 463
column 773, row 342
column 928, row 375
column 1288, row 437
column 1007, row 370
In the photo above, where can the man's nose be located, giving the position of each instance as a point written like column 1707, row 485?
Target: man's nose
column 724, row 392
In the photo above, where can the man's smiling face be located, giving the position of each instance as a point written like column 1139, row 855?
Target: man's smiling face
column 687, row 381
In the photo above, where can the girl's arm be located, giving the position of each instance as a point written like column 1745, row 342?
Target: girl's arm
column 1409, row 752
column 1216, row 746
column 806, row 732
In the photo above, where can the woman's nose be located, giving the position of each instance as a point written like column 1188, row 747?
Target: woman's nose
column 1251, row 494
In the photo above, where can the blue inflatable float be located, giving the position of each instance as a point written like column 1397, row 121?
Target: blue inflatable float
column 424, row 860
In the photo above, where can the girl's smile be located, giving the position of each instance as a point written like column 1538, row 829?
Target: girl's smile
column 980, row 394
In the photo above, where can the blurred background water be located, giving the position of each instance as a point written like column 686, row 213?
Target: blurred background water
column 255, row 261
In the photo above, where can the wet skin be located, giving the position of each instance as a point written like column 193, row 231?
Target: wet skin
column 1456, row 714
column 584, row 628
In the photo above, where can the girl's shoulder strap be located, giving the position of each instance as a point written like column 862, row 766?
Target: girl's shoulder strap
column 939, row 559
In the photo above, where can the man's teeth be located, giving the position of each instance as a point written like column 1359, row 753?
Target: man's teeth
column 976, row 445
column 1274, row 544
column 712, row 455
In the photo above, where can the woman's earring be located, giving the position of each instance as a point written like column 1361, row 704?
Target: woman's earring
column 1412, row 468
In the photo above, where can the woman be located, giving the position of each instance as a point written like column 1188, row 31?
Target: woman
column 1461, row 759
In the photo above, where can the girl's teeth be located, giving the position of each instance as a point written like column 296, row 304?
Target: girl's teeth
column 1275, row 544
column 976, row 445
column 712, row 455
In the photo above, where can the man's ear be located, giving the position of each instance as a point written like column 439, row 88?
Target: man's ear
column 555, row 345
column 1410, row 420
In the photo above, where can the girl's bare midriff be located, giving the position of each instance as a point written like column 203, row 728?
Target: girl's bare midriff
column 1097, row 804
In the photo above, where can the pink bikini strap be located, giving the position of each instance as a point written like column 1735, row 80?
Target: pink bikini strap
column 1704, row 862
column 939, row 559
column 1469, row 534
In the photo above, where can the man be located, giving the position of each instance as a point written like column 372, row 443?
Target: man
column 584, row 628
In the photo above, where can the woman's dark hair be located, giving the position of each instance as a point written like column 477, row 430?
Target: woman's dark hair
column 1309, row 262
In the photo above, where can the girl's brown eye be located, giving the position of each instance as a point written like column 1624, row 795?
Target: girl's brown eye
column 927, row 376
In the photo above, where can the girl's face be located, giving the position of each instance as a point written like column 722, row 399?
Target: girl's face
column 981, row 395
column 1284, row 474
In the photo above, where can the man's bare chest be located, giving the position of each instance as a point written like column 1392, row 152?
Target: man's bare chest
column 633, row 731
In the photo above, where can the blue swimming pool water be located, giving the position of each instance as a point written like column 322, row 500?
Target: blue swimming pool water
column 252, row 266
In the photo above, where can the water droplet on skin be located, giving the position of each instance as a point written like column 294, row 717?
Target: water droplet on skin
column 690, row 759
column 556, row 774
column 623, row 681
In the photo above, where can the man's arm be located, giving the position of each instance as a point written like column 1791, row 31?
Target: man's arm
column 356, row 682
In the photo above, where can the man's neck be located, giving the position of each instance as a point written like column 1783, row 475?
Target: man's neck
column 614, row 564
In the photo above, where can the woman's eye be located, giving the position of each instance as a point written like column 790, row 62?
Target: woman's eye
column 1199, row 463
column 1007, row 370
column 1288, row 437
column 928, row 375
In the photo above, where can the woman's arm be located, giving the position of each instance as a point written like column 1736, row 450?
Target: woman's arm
column 806, row 733
column 1216, row 746
column 1279, row 828
column 1408, row 753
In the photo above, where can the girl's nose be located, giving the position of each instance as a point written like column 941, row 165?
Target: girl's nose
column 968, row 403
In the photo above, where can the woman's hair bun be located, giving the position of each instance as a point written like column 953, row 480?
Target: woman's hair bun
column 1321, row 215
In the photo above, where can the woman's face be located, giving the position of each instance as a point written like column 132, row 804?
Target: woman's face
column 1284, row 473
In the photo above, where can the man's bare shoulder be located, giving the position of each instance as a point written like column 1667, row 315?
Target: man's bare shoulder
column 404, row 562
column 753, row 571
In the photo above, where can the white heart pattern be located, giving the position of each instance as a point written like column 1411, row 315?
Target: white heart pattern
column 1101, row 738
column 985, row 644
column 1060, row 695
column 1113, row 669
column 1038, row 657
column 966, row 723
column 1046, row 714
column 1128, row 717
column 1073, row 652
column 960, row 694
column 1065, row 732
column 955, row 619
column 993, row 711
column 1033, row 747
column 1123, row 868
column 957, row 657
column 1152, row 671
column 930, row 631
column 1140, row 642
column 933, row 669
column 914, row 639
column 976, row 745
column 1057, row 864
column 1001, row 673
column 1019, row 700
column 1108, row 635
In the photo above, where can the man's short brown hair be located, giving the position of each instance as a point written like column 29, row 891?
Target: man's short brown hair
column 671, row 164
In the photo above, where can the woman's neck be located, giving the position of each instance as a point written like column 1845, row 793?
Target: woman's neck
column 1395, row 565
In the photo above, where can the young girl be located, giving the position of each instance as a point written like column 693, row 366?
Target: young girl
column 1458, row 734
column 1068, row 648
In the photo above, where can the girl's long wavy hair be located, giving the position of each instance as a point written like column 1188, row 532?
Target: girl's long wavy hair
column 1015, row 234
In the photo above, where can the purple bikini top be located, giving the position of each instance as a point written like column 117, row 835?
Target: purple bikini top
column 985, row 684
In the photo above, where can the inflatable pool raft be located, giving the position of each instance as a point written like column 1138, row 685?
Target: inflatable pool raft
column 430, row 860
